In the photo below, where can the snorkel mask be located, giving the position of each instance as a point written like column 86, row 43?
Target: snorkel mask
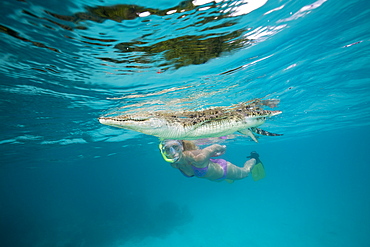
column 170, row 150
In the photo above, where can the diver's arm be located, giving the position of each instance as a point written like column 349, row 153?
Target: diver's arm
column 211, row 151
column 214, row 150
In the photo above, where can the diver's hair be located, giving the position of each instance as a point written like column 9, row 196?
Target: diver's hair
column 189, row 145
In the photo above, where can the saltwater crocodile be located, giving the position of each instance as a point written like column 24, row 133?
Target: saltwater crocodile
column 191, row 125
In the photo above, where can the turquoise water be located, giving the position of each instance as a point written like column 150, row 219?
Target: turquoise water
column 67, row 180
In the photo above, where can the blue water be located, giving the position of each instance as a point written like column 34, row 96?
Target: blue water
column 66, row 180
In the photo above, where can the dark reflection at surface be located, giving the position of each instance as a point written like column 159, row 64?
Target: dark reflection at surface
column 119, row 12
column 15, row 34
column 124, row 39
column 183, row 50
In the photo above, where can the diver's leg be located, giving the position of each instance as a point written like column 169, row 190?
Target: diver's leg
column 235, row 172
column 249, row 164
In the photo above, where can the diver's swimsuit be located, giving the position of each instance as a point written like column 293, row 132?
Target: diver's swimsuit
column 198, row 171
column 201, row 172
column 223, row 164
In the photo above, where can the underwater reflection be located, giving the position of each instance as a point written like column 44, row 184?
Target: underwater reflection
column 178, row 52
column 186, row 34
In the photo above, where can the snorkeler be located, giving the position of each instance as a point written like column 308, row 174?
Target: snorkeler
column 192, row 161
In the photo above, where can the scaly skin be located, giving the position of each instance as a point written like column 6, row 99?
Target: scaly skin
column 191, row 125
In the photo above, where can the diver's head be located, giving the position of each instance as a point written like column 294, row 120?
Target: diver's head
column 171, row 150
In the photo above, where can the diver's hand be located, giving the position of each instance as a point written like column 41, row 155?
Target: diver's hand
column 218, row 150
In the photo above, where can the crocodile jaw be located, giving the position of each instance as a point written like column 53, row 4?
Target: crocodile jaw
column 147, row 125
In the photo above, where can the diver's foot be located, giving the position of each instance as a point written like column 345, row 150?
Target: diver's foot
column 248, row 165
column 254, row 154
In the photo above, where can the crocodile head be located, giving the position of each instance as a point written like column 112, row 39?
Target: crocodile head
column 144, row 123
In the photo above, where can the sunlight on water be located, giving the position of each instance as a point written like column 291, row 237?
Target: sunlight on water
column 64, row 64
